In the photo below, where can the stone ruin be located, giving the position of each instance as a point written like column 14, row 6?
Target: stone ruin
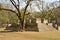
column 31, row 25
column 13, row 27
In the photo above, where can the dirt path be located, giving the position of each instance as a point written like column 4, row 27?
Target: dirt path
column 44, row 27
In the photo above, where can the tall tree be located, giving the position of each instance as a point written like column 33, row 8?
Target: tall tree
column 16, row 4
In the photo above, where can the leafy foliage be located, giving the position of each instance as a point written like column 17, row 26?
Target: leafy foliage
column 6, row 16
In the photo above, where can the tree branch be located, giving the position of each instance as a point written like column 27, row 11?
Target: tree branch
column 8, row 10
column 28, row 2
column 13, row 3
column 18, row 3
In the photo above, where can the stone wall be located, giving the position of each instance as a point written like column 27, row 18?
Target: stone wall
column 31, row 25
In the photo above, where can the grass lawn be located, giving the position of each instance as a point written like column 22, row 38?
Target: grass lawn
column 51, row 35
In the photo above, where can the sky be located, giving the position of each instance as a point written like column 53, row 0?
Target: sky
column 23, row 4
column 51, row 0
column 44, row 0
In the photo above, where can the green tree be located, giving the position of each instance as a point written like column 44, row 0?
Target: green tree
column 17, row 12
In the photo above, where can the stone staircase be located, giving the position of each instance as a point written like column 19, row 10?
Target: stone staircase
column 44, row 27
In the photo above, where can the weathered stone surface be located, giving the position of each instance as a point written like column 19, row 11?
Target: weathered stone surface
column 13, row 27
column 31, row 25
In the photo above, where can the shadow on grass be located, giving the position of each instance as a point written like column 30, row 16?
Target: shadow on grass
column 6, row 31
